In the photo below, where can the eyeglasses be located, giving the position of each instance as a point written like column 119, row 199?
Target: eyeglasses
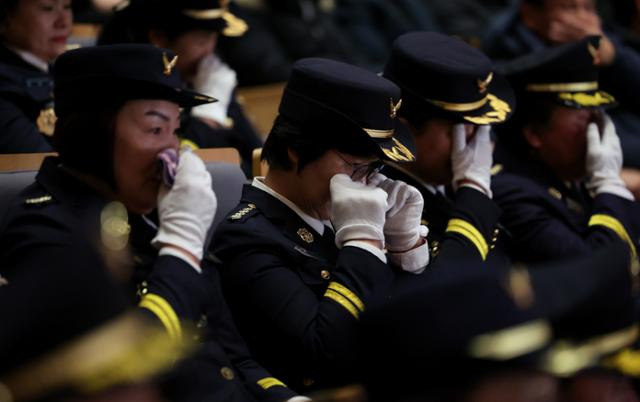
column 362, row 170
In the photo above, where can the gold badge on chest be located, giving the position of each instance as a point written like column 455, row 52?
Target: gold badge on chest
column 47, row 121
column 305, row 235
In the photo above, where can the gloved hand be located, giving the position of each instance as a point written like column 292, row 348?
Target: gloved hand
column 357, row 210
column 402, row 228
column 216, row 79
column 187, row 209
column 472, row 161
column 604, row 160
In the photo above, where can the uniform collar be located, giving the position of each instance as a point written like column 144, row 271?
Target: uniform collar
column 30, row 59
column 316, row 224
column 62, row 186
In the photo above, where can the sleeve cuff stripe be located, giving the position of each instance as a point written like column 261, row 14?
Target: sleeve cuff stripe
column 269, row 382
column 341, row 300
column 355, row 300
column 612, row 223
column 469, row 231
column 163, row 310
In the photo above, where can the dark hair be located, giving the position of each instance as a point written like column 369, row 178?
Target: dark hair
column 309, row 142
column 84, row 140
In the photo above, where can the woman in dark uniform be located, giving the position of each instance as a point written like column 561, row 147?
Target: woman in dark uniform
column 33, row 34
column 296, row 289
column 191, row 30
column 118, row 107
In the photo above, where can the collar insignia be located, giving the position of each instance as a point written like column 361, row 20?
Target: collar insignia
column 168, row 65
column 483, row 85
column 394, row 108
column 305, row 235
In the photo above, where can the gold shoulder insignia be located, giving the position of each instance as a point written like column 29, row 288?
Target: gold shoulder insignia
column 555, row 193
column 497, row 168
column 47, row 121
column 38, row 200
column 242, row 212
column 394, row 108
column 483, row 85
column 305, row 235
column 168, row 65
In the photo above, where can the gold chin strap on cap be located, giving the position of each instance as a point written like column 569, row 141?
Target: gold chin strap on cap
column 373, row 133
column 564, row 87
column 460, row 107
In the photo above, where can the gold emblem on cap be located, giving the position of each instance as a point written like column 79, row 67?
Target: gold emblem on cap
column 305, row 235
column 47, row 121
column 595, row 53
column 394, row 108
column 168, row 65
column 483, row 85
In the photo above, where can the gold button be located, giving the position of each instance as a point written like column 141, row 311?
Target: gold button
column 227, row 373
column 492, row 246
column 325, row 274
column 307, row 382
column 496, row 232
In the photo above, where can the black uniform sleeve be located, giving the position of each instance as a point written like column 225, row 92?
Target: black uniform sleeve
column 539, row 234
column 471, row 229
column 18, row 134
column 175, row 292
column 313, row 323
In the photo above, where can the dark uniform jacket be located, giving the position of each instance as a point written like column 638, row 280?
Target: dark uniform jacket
column 25, row 92
column 241, row 135
column 550, row 220
column 464, row 232
column 49, row 231
column 295, row 296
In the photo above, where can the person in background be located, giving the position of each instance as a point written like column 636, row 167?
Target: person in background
column 559, row 182
column 451, row 97
column 533, row 25
column 32, row 34
column 103, row 202
column 191, row 29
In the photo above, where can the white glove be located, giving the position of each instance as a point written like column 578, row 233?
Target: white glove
column 216, row 79
column 402, row 228
column 604, row 161
column 472, row 161
column 186, row 210
column 357, row 210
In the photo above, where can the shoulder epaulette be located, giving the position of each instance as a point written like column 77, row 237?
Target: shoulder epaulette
column 40, row 200
column 497, row 168
column 242, row 212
